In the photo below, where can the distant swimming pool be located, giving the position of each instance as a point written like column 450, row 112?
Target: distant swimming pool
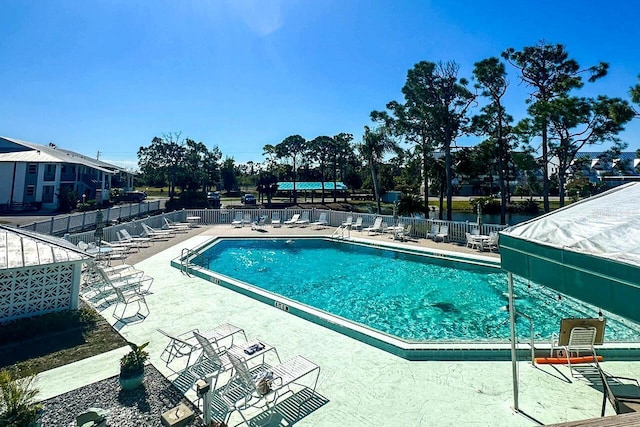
column 411, row 296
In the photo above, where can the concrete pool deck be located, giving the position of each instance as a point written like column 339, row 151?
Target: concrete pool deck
column 362, row 384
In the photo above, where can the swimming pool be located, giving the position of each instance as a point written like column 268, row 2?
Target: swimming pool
column 410, row 296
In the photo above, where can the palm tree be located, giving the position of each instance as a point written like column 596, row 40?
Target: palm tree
column 375, row 144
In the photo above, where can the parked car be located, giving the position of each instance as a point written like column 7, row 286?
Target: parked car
column 248, row 199
column 213, row 197
column 133, row 196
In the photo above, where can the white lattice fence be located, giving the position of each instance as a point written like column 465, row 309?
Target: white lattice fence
column 30, row 291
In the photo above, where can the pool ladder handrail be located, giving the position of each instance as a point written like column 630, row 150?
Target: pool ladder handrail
column 531, row 335
column 186, row 256
column 339, row 232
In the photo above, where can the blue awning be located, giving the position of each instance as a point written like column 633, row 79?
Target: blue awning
column 310, row 185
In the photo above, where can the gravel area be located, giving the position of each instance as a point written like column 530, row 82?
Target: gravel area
column 140, row 407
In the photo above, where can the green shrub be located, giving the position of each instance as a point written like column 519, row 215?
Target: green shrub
column 188, row 200
column 23, row 329
column 17, row 394
column 525, row 206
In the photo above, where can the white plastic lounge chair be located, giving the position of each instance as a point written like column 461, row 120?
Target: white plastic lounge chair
column 127, row 247
column 275, row 220
column 125, row 237
column 304, row 219
column 246, row 219
column 262, row 386
column 259, row 224
column 402, row 234
column 292, row 221
column 155, row 233
column 126, row 297
column 179, row 346
column 433, row 232
column 358, row 224
column 180, row 227
column 376, row 227
column 442, row 234
column 237, row 221
column 101, row 281
column 321, row 222
column 348, row 222
column 218, row 358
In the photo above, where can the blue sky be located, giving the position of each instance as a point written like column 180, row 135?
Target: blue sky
column 110, row 75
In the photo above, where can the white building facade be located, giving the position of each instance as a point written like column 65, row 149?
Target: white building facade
column 33, row 175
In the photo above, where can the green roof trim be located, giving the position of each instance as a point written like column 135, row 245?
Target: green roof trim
column 310, row 185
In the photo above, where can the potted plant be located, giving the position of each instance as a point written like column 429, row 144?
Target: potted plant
column 132, row 366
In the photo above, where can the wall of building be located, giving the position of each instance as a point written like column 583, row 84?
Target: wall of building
column 32, row 291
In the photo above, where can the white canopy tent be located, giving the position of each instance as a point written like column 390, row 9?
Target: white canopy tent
column 589, row 250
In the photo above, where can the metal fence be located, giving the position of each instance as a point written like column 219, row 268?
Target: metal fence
column 73, row 223
column 419, row 226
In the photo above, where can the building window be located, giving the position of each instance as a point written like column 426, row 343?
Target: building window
column 31, row 190
column 33, row 168
column 47, row 194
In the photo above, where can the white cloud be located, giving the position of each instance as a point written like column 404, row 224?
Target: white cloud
column 263, row 17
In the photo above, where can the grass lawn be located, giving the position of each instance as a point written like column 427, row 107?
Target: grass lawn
column 46, row 342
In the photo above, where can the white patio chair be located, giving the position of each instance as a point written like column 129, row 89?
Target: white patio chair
column 403, row 234
column 217, row 355
column 358, row 224
column 157, row 234
column 348, row 222
column 442, row 234
column 472, row 241
column 275, row 220
column 141, row 242
column 492, row 242
column 262, row 386
column 259, row 224
column 304, row 219
column 433, row 231
column 292, row 221
column 321, row 222
column 182, row 345
column 376, row 227
column 125, row 297
column 237, row 221
column 180, row 227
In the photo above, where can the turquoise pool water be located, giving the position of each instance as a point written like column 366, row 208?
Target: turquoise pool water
column 410, row 296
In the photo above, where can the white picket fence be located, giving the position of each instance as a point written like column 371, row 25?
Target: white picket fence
column 419, row 226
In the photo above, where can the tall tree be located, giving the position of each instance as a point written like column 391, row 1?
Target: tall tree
column 321, row 148
column 200, row 167
column 292, row 147
column 579, row 122
column 433, row 115
column 229, row 174
column 451, row 100
column 164, row 156
column 375, row 144
column 339, row 154
column 491, row 79
column 549, row 71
